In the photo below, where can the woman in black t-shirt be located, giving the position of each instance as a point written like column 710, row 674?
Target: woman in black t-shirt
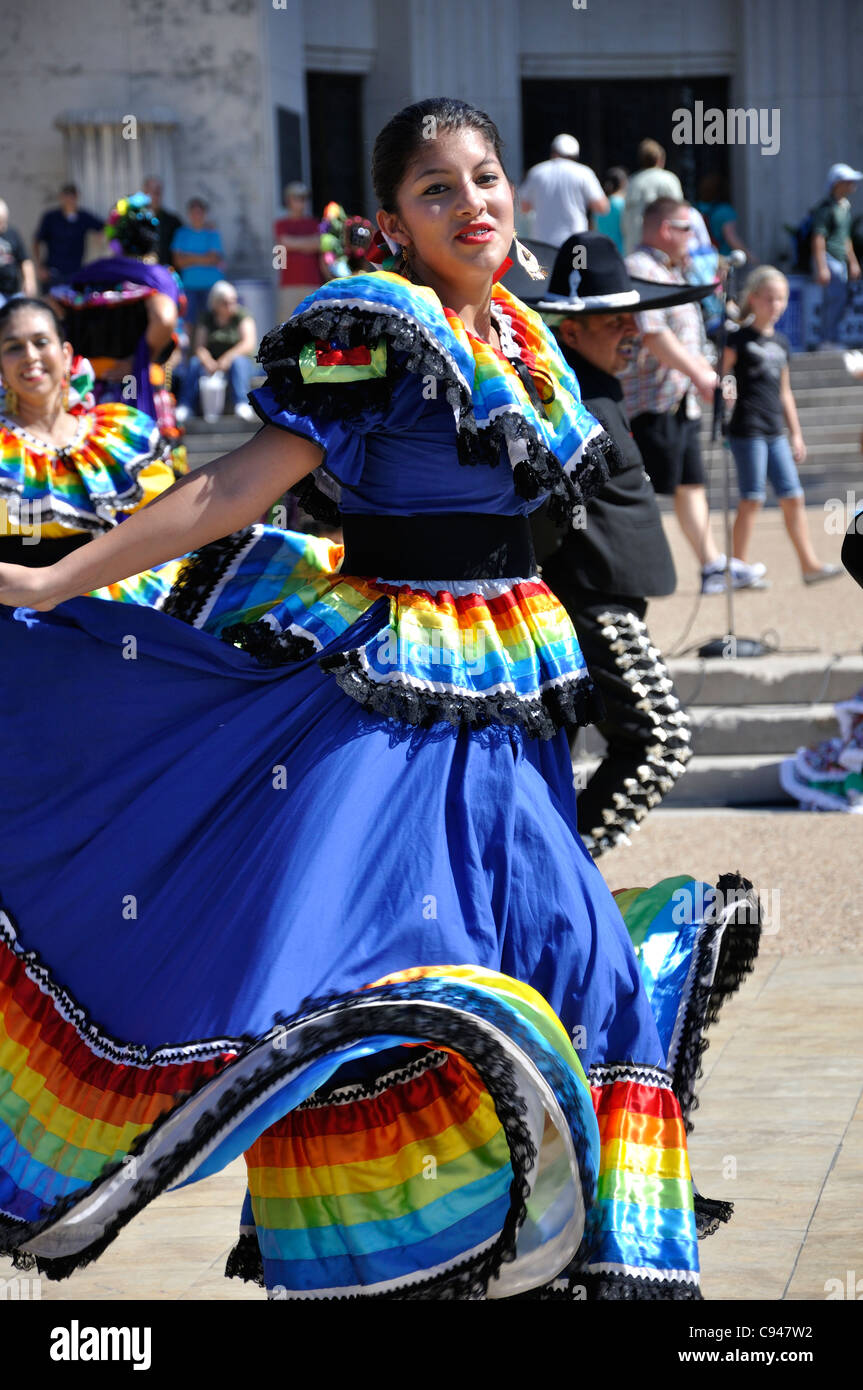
column 759, row 358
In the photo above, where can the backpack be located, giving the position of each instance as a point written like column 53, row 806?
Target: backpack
column 801, row 238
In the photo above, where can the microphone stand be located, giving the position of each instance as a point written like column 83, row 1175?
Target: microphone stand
column 729, row 646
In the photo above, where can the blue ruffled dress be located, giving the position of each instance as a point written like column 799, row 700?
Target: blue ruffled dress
column 288, row 870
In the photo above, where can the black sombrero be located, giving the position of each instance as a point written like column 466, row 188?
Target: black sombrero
column 589, row 276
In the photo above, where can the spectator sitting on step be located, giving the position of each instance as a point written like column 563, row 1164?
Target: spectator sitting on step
column 225, row 340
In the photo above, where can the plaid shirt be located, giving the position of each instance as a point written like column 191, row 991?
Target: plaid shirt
column 647, row 384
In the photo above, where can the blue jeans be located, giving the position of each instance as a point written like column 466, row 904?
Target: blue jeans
column 757, row 459
column 239, row 375
column 196, row 303
column 834, row 300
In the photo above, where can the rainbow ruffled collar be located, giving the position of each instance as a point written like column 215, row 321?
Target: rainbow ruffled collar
column 523, row 405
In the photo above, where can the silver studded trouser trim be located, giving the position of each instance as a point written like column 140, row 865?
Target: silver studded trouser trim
column 649, row 734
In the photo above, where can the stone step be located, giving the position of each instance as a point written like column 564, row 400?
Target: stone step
column 740, row 730
column 817, row 445
column 721, row 781
column 812, row 393
column 838, row 408
column 767, row 680
column 226, row 424
column 817, row 435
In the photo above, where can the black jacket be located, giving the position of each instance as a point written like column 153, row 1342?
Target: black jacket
column 622, row 550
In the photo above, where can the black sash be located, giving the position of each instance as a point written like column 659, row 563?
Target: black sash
column 453, row 545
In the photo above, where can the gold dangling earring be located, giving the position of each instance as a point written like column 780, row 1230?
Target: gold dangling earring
column 528, row 260
column 64, row 399
column 11, row 402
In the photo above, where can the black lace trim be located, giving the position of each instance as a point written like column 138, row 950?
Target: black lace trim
column 737, row 951
column 740, row 944
column 335, row 1027
column 617, row 1288
column 266, row 645
column 201, row 573
column 415, row 351
column 341, row 1094
column 605, row 1074
column 710, row 1214
column 315, row 502
column 572, row 702
column 245, row 1261
column 91, row 1033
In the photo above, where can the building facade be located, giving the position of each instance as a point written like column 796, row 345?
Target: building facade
column 232, row 98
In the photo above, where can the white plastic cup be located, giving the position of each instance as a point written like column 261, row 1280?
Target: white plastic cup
column 212, row 393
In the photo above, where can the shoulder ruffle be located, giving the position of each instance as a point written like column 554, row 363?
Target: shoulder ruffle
column 84, row 485
column 553, row 445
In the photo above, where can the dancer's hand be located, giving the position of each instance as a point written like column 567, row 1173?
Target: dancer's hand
column 23, row 587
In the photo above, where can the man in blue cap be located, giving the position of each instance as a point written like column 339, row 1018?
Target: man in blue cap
column 833, row 258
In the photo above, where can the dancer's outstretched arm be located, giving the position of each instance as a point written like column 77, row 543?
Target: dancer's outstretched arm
column 223, row 496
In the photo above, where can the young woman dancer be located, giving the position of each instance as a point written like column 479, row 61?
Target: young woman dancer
column 69, row 469
column 335, row 913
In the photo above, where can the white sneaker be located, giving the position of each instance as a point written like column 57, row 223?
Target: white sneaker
column 181, row 414
column 854, row 362
column 744, row 574
column 245, row 412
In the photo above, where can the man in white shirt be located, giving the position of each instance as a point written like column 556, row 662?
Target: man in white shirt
column 562, row 193
column 652, row 181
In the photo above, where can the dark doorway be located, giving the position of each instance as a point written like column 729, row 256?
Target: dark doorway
column 290, row 150
column 336, row 139
column 610, row 117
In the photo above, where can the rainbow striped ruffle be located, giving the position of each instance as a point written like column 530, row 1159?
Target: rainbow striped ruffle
column 430, row 1136
column 501, row 651
column 695, row 943
column 443, row 1141
column 112, row 466
column 91, row 1130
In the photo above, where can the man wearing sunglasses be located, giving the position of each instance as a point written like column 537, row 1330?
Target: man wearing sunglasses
column 664, row 385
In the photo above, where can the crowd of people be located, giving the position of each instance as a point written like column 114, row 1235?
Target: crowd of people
column 562, row 196
column 672, row 370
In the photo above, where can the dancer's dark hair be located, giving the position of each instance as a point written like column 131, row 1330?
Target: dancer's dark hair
column 23, row 301
column 403, row 136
